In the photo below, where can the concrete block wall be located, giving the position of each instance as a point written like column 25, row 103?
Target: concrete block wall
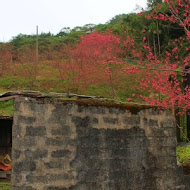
column 72, row 145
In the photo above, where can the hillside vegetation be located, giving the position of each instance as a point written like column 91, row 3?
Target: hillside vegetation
column 142, row 57
column 133, row 57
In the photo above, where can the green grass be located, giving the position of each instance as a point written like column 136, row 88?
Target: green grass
column 183, row 154
column 48, row 79
column 2, row 90
column 6, row 108
column 6, row 81
column 4, row 186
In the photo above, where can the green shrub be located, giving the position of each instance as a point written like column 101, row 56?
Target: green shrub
column 183, row 154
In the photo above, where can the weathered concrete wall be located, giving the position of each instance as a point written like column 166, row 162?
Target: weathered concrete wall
column 76, row 146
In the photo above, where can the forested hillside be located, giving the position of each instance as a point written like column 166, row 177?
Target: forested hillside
column 133, row 57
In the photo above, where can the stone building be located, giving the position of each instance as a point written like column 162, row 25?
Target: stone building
column 92, row 144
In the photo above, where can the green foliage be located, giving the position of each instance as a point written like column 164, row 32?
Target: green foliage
column 5, row 186
column 102, row 90
column 22, row 40
column 183, row 154
column 153, row 3
column 183, row 125
column 73, row 37
column 118, row 19
column 13, row 82
column 6, row 81
column 6, row 108
column 102, row 27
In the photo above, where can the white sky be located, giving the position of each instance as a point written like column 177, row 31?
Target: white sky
column 22, row 16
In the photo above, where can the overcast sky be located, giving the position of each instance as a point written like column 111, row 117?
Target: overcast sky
column 22, row 16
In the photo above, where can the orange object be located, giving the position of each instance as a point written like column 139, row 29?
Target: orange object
column 4, row 168
column 5, row 160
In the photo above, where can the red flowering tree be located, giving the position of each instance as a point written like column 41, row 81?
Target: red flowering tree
column 169, row 74
column 179, row 12
column 82, row 64
column 165, row 75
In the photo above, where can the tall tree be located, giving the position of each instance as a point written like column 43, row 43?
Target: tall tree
column 153, row 3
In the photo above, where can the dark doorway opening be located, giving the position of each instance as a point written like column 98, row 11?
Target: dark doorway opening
column 5, row 144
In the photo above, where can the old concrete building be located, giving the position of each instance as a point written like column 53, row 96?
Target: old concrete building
column 90, row 144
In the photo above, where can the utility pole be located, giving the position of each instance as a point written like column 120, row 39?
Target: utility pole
column 37, row 57
column 37, row 44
